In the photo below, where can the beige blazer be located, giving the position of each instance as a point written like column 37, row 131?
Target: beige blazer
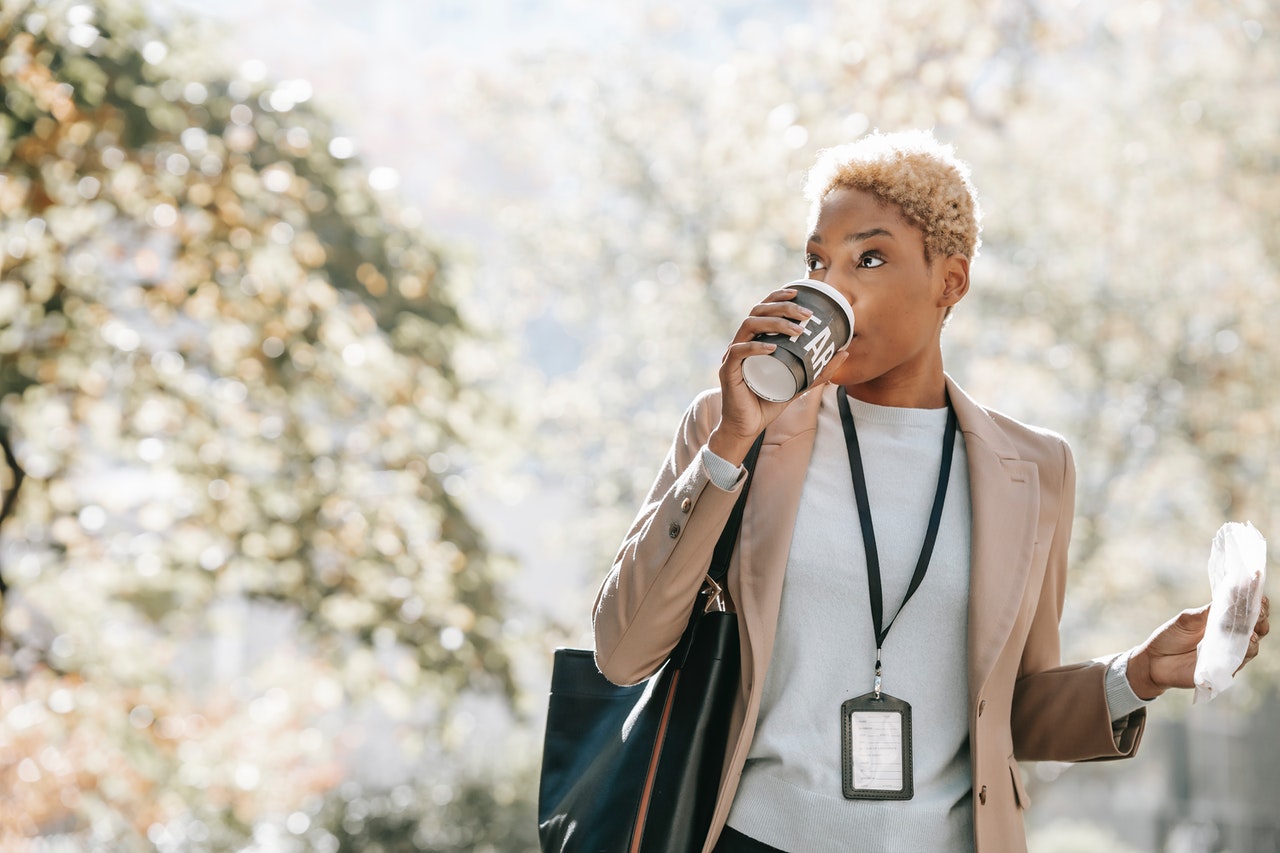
column 1023, row 704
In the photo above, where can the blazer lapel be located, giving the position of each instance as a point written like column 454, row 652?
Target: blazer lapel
column 767, row 525
column 1005, row 496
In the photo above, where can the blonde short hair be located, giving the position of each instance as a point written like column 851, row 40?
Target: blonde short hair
column 914, row 172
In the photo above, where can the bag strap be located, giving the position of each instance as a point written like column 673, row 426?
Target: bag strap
column 720, row 557
column 729, row 536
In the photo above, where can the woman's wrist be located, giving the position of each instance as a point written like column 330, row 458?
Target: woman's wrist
column 728, row 447
column 1138, row 672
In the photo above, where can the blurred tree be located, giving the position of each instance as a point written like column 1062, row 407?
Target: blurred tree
column 218, row 353
column 228, row 369
column 1119, row 151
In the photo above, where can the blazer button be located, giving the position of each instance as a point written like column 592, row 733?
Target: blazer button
column 685, row 505
column 982, row 795
column 674, row 530
column 982, row 706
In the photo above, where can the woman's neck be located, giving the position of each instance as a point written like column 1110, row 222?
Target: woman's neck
column 912, row 392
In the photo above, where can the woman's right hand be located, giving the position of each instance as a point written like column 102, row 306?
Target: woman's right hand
column 743, row 415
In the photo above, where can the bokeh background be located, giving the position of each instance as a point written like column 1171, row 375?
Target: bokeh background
column 339, row 342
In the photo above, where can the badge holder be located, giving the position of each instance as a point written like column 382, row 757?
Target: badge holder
column 876, row 734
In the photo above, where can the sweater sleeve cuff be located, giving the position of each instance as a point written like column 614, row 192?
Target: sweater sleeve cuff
column 1121, row 700
column 723, row 473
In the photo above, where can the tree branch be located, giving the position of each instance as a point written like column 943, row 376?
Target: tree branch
column 11, row 497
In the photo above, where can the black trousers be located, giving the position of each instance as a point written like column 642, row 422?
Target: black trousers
column 732, row 841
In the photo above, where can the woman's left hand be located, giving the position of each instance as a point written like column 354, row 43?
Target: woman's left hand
column 1168, row 657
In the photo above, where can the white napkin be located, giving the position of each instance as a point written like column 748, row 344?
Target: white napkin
column 1237, row 571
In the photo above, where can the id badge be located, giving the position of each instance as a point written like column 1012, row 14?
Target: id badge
column 876, row 735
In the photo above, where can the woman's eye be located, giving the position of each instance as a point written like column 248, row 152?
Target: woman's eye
column 870, row 261
column 814, row 263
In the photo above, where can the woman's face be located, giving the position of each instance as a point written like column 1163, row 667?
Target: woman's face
column 866, row 249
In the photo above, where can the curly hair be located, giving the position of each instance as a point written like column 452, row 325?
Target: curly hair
column 914, row 172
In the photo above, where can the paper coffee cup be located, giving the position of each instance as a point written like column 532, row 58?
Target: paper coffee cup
column 798, row 359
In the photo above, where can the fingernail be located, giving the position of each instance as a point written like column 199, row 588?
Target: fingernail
column 808, row 312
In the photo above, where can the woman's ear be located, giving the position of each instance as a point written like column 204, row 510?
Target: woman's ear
column 955, row 280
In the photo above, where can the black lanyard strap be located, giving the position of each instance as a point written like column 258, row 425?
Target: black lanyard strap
column 868, row 530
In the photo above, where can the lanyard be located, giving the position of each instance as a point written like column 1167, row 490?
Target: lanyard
column 869, row 534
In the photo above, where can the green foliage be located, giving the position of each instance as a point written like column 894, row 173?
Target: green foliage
column 228, row 373
column 460, row 820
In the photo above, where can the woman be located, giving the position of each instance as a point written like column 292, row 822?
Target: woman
column 838, row 606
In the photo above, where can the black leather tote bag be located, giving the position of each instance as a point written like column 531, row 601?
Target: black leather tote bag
column 636, row 769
